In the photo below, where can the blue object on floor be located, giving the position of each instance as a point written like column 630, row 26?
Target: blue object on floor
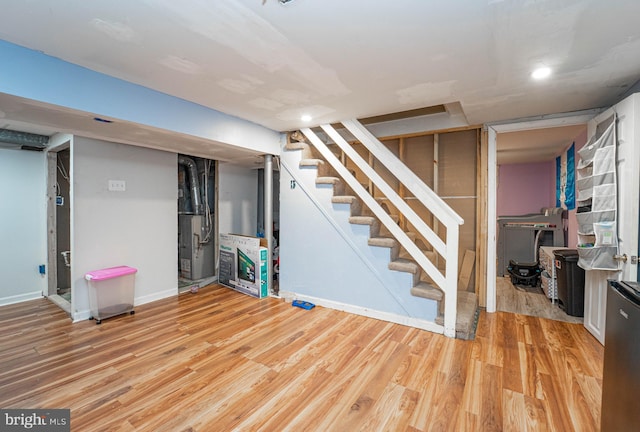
column 303, row 304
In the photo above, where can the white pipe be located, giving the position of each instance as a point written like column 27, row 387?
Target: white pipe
column 268, row 214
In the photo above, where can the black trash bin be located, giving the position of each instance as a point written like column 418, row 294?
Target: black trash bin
column 570, row 280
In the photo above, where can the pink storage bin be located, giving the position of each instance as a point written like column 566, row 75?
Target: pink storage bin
column 111, row 291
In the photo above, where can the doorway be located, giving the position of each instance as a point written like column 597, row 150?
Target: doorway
column 59, row 226
column 197, row 222
column 496, row 283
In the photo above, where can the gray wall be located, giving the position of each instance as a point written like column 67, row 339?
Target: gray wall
column 137, row 227
column 22, row 225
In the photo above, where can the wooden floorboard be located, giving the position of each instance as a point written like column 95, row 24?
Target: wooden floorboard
column 220, row 360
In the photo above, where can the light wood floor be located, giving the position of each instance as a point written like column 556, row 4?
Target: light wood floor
column 221, row 361
column 529, row 301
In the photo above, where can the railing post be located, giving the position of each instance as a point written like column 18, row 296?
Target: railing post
column 451, row 275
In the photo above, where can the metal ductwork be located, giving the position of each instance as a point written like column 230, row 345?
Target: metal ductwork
column 193, row 181
column 24, row 140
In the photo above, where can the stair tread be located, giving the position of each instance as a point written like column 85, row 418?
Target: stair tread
column 311, row 162
column 404, row 265
column 383, row 242
column 428, row 291
column 345, row 199
column 431, row 255
column 362, row 220
column 327, row 180
column 296, row 145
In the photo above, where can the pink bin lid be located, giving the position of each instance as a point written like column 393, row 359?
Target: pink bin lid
column 109, row 273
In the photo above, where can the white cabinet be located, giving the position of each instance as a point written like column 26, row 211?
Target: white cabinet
column 595, row 301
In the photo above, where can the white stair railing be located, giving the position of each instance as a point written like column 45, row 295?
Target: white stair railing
column 447, row 282
column 401, row 205
column 441, row 211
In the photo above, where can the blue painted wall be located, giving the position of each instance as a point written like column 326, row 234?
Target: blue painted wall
column 33, row 75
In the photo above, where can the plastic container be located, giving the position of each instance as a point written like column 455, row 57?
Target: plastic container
column 570, row 282
column 111, row 291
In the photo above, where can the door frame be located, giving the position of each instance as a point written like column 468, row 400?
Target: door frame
column 493, row 129
column 52, row 254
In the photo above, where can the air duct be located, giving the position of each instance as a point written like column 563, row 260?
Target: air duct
column 193, row 181
column 28, row 141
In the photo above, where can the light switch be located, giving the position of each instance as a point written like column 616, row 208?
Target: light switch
column 117, row 185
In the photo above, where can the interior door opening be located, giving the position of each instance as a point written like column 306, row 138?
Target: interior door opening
column 63, row 225
column 197, row 222
column 540, row 159
column 59, row 227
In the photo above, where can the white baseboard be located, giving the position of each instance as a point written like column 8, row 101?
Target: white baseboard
column 81, row 315
column 86, row 314
column 20, row 298
column 155, row 296
column 371, row 313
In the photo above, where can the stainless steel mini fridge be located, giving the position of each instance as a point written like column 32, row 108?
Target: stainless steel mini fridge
column 621, row 377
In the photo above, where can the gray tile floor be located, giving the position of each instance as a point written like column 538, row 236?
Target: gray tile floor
column 528, row 301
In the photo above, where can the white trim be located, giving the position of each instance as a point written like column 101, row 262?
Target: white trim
column 371, row 313
column 80, row 315
column 86, row 314
column 540, row 122
column 155, row 296
column 20, row 298
column 545, row 121
column 492, row 247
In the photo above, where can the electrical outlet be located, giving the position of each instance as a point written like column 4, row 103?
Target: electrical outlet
column 117, row 185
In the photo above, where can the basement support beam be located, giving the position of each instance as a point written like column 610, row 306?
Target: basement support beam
column 268, row 215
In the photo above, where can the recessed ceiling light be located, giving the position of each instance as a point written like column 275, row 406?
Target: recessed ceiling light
column 306, row 118
column 541, row 73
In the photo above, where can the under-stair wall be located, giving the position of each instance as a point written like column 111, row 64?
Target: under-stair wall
column 328, row 260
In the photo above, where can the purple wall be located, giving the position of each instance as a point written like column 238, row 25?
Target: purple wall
column 526, row 188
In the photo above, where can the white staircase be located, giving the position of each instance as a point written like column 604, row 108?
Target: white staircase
column 416, row 254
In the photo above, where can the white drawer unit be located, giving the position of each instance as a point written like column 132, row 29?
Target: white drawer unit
column 548, row 278
column 549, row 285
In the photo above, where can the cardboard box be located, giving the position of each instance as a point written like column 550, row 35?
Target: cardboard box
column 243, row 264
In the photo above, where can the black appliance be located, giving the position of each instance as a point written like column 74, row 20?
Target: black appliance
column 524, row 273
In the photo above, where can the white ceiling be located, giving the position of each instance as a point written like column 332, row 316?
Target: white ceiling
column 271, row 63
column 536, row 145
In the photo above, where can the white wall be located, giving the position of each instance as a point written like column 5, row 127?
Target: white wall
column 23, row 225
column 237, row 200
column 137, row 227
